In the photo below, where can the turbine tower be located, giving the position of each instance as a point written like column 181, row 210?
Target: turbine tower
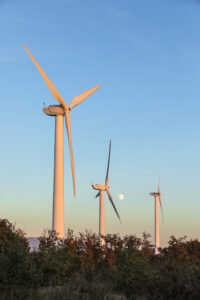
column 59, row 112
column 157, row 236
column 102, row 188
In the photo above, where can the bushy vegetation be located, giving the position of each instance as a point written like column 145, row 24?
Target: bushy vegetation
column 78, row 267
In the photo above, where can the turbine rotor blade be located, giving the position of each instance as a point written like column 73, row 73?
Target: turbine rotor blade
column 159, row 195
column 97, row 195
column 159, row 186
column 68, row 126
column 106, row 181
column 78, row 99
column 50, row 85
column 161, row 207
column 112, row 202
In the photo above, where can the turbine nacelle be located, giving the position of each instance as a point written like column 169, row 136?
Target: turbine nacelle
column 154, row 194
column 54, row 110
column 99, row 187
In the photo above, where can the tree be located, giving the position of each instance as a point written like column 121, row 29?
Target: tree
column 14, row 258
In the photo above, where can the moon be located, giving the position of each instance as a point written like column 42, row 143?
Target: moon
column 121, row 196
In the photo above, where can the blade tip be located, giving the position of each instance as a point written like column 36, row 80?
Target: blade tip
column 97, row 87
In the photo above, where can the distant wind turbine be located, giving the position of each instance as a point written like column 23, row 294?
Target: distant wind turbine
column 102, row 188
column 157, row 236
column 59, row 111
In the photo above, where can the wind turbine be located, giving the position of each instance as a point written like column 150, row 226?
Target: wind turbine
column 157, row 236
column 102, row 188
column 59, row 111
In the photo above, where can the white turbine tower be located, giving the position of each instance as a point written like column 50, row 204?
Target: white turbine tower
column 157, row 236
column 102, row 188
column 59, row 111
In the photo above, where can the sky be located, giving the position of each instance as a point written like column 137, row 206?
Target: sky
column 145, row 54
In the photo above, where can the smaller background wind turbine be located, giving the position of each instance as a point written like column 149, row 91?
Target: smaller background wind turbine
column 102, row 188
column 157, row 236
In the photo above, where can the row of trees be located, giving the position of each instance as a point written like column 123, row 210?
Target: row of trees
column 78, row 267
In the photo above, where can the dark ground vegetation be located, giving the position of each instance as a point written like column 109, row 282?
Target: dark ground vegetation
column 79, row 268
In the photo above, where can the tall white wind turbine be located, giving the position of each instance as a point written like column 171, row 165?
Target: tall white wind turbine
column 102, row 188
column 157, row 235
column 60, row 111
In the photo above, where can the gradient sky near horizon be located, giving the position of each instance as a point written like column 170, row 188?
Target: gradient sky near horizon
column 146, row 56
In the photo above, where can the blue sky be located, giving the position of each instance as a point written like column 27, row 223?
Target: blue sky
column 145, row 54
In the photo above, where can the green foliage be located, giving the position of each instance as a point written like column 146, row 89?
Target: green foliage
column 15, row 265
column 79, row 267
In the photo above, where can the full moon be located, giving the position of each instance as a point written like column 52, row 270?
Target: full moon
column 121, row 196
